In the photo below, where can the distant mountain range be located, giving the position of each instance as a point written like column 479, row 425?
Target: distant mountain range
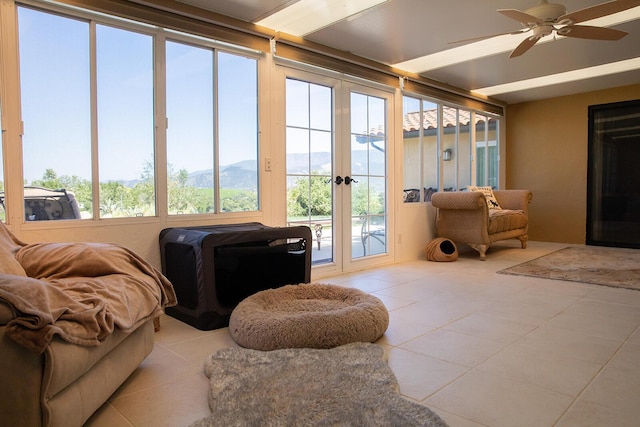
column 242, row 175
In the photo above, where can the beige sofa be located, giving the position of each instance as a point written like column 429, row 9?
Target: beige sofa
column 464, row 217
column 75, row 321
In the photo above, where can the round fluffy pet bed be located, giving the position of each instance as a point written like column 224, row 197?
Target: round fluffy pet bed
column 307, row 316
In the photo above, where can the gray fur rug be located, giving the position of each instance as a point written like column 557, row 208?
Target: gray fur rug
column 350, row 385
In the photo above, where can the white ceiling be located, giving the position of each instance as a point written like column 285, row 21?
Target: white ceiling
column 401, row 30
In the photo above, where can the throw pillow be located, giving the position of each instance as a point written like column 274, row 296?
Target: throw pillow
column 492, row 202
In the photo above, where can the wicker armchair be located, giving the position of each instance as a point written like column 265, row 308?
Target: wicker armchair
column 464, row 217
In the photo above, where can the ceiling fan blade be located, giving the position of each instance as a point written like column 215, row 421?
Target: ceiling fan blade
column 474, row 39
column 524, row 46
column 520, row 16
column 597, row 11
column 589, row 32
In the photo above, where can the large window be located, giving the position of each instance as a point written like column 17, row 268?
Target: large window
column 421, row 133
column 125, row 122
column 190, row 128
column 56, row 108
column 237, row 132
column 211, row 96
column 91, row 92
column 443, row 145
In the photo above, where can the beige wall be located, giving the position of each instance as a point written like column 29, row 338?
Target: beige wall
column 546, row 152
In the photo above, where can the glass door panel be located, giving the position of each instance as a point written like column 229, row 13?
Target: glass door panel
column 309, row 154
column 368, row 175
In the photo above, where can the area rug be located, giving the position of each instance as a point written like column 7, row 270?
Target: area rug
column 616, row 267
column 350, row 385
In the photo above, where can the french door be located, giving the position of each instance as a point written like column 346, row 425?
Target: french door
column 337, row 168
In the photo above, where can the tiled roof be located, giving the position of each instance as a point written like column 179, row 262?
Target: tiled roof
column 411, row 121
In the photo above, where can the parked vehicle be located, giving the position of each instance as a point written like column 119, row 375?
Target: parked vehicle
column 42, row 204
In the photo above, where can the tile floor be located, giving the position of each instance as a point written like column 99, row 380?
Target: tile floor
column 479, row 348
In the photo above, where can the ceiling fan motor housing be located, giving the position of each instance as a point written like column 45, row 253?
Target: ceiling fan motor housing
column 546, row 12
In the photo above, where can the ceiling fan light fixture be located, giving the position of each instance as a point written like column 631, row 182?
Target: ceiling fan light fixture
column 540, row 31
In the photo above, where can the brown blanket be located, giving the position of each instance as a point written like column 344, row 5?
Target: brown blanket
column 81, row 292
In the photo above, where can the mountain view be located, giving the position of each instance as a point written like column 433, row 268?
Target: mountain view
column 242, row 175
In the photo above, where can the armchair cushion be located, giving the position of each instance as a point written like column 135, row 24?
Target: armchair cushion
column 505, row 220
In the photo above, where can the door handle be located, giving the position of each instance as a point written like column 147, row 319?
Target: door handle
column 348, row 180
column 338, row 180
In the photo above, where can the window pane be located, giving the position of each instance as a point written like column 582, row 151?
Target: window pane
column 359, row 114
column 412, row 123
column 492, row 176
column 464, row 149
column 297, row 103
column 481, row 150
column 238, row 132
column 125, row 122
column 430, row 157
column 298, row 156
column 486, row 151
column 449, row 137
column 190, row 138
column 320, row 106
column 55, row 98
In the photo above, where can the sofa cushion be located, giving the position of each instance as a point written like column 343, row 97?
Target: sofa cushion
column 506, row 220
column 67, row 362
column 492, row 202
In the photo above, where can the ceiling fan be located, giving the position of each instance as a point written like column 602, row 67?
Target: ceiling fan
column 547, row 18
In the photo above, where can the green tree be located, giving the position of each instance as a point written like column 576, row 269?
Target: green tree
column 182, row 198
column 238, row 200
column 143, row 193
column 113, row 199
column 49, row 180
column 366, row 200
column 117, row 200
column 310, row 197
